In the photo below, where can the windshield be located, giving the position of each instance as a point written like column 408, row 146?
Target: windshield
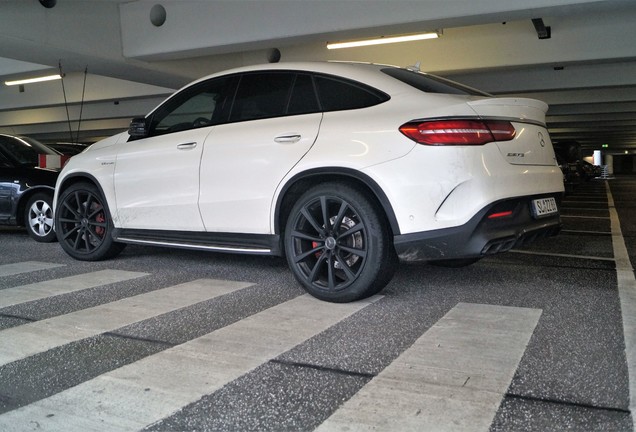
column 431, row 83
column 24, row 150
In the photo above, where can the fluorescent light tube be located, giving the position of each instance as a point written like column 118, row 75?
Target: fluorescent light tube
column 33, row 80
column 382, row 40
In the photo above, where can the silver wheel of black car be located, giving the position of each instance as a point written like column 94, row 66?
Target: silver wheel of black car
column 337, row 245
column 83, row 224
column 38, row 217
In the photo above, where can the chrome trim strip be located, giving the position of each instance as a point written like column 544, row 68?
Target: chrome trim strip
column 194, row 247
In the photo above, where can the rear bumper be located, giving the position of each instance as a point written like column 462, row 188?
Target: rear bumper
column 481, row 236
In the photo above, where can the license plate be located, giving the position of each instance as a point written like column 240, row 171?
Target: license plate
column 544, row 207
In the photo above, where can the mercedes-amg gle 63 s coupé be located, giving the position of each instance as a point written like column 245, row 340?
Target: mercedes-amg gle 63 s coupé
column 342, row 168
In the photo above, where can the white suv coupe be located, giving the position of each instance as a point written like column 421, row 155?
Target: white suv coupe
column 340, row 167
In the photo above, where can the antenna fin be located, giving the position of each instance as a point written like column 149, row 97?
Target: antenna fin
column 415, row 67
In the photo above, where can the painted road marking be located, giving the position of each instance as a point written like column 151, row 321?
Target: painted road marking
column 453, row 377
column 26, row 267
column 627, row 294
column 585, row 217
column 583, row 208
column 561, row 255
column 571, row 231
column 144, row 392
column 29, row 339
column 40, row 290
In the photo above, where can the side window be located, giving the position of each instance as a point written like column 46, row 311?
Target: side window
column 303, row 98
column 19, row 150
column 201, row 105
column 262, row 95
column 336, row 94
column 4, row 162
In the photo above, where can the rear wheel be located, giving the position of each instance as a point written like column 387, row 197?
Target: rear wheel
column 83, row 224
column 337, row 244
column 38, row 217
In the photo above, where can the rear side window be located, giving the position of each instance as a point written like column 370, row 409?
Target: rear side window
column 303, row 98
column 337, row 94
column 262, row 95
column 431, row 83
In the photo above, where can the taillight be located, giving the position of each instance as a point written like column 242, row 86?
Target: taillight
column 458, row 132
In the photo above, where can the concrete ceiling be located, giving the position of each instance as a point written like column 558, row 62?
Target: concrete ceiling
column 586, row 70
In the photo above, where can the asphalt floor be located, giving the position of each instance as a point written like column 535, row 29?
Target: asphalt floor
column 575, row 371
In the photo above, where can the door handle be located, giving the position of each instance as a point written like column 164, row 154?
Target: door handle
column 187, row 146
column 287, row 139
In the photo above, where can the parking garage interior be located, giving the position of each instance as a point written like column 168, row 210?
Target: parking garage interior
column 118, row 59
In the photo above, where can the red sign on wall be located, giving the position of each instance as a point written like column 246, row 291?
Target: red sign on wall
column 52, row 161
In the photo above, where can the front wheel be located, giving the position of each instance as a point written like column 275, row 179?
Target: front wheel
column 38, row 217
column 83, row 224
column 337, row 244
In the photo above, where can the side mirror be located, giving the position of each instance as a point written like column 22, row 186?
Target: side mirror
column 137, row 128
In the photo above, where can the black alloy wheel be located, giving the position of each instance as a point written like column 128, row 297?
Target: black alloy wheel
column 84, row 225
column 337, row 244
column 38, row 217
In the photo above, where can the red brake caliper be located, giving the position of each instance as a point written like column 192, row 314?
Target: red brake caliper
column 100, row 218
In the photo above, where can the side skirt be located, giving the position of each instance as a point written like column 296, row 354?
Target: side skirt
column 253, row 244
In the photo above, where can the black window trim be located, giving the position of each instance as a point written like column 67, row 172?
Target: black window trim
column 381, row 95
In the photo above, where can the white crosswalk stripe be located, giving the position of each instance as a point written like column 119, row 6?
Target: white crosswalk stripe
column 40, row 290
column 145, row 392
column 25, row 267
column 452, row 378
column 23, row 341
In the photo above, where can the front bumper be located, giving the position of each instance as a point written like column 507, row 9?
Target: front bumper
column 481, row 235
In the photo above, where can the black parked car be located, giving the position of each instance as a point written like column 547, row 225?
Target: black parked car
column 589, row 171
column 67, row 148
column 575, row 169
column 26, row 190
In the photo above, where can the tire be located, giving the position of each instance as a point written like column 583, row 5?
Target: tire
column 455, row 263
column 84, row 225
column 337, row 244
column 38, row 217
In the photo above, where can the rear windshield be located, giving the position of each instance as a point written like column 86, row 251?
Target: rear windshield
column 431, row 83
